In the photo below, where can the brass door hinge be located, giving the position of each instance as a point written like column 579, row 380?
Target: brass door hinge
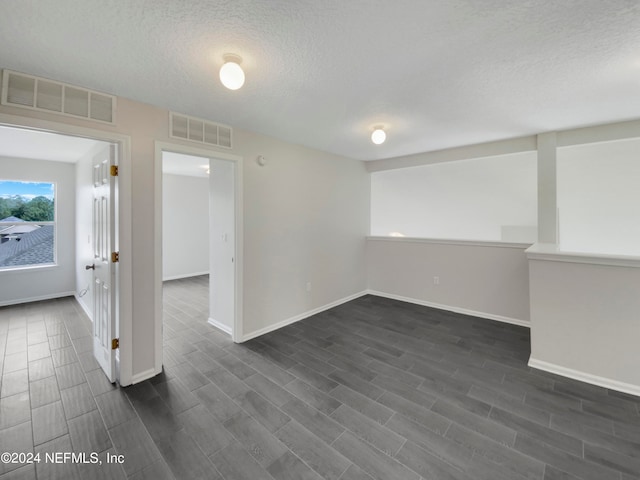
column 115, row 343
column 114, row 170
column 115, row 257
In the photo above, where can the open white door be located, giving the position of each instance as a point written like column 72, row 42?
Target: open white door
column 105, row 260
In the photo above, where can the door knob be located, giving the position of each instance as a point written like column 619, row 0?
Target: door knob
column 90, row 267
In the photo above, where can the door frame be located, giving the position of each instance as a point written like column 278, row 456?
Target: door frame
column 160, row 147
column 124, row 278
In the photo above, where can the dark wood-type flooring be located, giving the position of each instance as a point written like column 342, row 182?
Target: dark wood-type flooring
column 372, row 389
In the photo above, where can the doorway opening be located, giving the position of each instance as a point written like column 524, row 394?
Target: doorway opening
column 185, row 238
column 70, row 252
column 198, row 231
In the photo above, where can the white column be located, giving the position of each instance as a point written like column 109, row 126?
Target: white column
column 547, row 197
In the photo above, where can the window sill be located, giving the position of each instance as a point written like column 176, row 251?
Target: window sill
column 29, row 268
column 551, row 253
column 447, row 241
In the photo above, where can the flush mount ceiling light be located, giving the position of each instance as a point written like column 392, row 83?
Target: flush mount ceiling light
column 231, row 74
column 378, row 136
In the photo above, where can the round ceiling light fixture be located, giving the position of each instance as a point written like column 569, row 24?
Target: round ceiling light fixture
column 231, row 73
column 378, row 136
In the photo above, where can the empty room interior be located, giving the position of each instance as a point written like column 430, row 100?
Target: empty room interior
column 320, row 240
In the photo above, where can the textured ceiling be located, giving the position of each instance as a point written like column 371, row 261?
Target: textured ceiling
column 322, row 73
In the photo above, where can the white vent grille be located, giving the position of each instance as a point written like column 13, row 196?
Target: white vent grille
column 200, row 131
column 35, row 93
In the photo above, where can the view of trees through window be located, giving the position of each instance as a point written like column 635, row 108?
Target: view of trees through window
column 27, row 223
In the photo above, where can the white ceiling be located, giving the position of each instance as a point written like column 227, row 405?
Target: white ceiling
column 179, row 164
column 34, row 144
column 435, row 73
column 22, row 143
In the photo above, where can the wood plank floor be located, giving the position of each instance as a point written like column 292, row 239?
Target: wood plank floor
column 373, row 389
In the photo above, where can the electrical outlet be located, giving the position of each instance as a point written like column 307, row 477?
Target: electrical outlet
column 308, row 286
column 436, row 280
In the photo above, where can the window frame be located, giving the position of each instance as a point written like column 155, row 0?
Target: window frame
column 54, row 223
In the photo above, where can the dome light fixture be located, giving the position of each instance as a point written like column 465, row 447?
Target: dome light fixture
column 231, row 73
column 378, row 136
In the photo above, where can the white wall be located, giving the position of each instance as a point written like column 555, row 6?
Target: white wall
column 141, row 124
column 467, row 199
column 222, row 244
column 306, row 216
column 52, row 281
column 185, row 226
column 584, row 306
column 585, row 321
column 599, row 197
column 488, row 280
column 305, row 219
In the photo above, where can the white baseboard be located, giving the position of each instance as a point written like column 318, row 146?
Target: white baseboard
column 36, row 299
column 184, row 275
column 142, row 376
column 220, row 326
column 464, row 311
column 301, row 316
column 84, row 307
column 585, row 377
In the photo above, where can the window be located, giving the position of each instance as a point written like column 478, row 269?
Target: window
column 487, row 199
column 27, row 224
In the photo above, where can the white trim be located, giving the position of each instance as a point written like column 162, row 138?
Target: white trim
column 296, row 318
column 301, row 316
column 29, row 268
column 220, row 326
column 508, row 146
column 573, row 136
column 142, row 376
column 84, row 306
column 184, row 275
column 607, row 132
column 550, row 252
column 36, row 299
column 125, row 271
column 464, row 311
column 585, row 377
column 238, row 175
column 448, row 241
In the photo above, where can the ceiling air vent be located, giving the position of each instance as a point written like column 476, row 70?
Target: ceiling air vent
column 35, row 93
column 198, row 130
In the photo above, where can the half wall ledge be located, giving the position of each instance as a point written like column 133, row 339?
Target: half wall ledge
column 585, row 316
